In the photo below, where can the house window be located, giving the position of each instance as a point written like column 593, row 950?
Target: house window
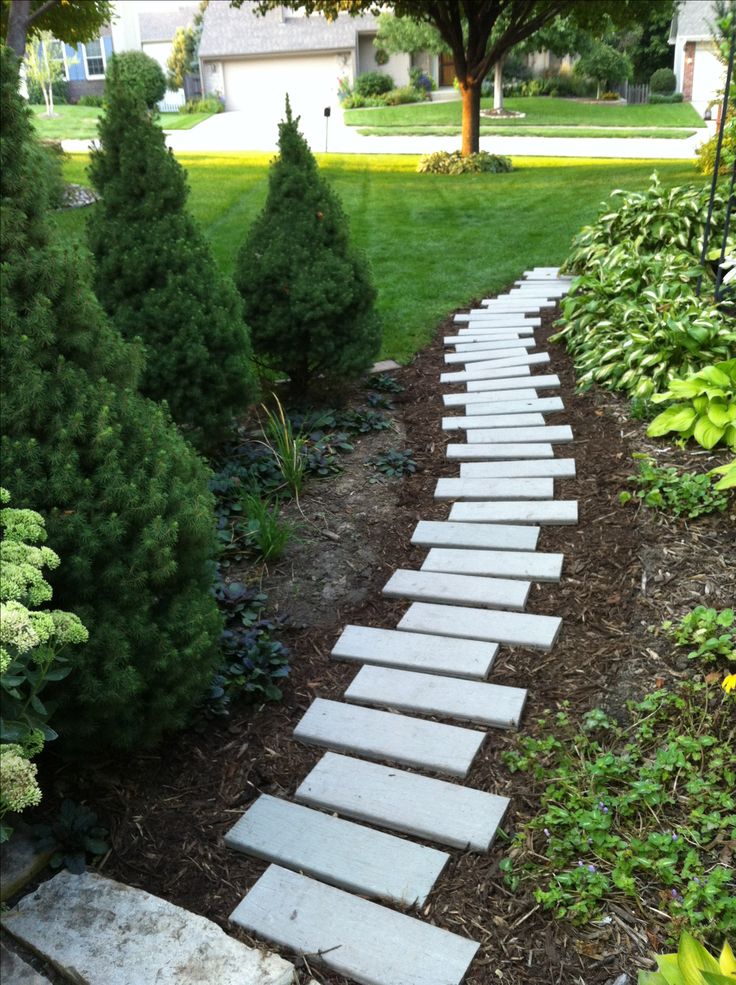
column 58, row 54
column 94, row 58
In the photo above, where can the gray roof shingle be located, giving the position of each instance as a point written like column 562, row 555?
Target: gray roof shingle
column 693, row 20
column 161, row 25
column 229, row 32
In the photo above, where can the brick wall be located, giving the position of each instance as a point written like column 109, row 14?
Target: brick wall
column 689, row 71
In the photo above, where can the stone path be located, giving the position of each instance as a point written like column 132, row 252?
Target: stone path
column 334, row 883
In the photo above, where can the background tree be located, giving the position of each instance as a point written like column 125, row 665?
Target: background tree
column 479, row 33
column 604, row 65
column 308, row 294
column 185, row 49
column 155, row 274
column 67, row 20
column 124, row 496
column 44, row 66
column 138, row 72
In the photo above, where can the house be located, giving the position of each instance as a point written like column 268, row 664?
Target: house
column 699, row 73
column 84, row 66
column 250, row 60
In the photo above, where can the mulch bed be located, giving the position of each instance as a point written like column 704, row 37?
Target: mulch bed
column 625, row 570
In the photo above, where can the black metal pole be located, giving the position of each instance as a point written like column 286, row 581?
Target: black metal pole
column 726, row 228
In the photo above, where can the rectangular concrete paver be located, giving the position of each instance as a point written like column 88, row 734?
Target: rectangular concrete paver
column 493, row 421
column 496, row 593
column 529, row 359
column 519, row 488
column 396, row 738
column 492, row 334
column 484, row 352
column 363, row 941
column 563, row 512
column 414, row 651
column 484, row 315
column 522, row 391
column 500, row 372
column 431, row 809
column 471, row 701
column 540, row 381
column 338, row 852
column 489, row 536
column 534, row 565
column 561, row 468
column 560, row 434
column 489, row 452
column 494, row 344
column 511, row 628
column 512, row 404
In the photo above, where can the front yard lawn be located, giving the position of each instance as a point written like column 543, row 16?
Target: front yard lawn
column 539, row 110
column 80, row 122
column 435, row 242
column 522, row 131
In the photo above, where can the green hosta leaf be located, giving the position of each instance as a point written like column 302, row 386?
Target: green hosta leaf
column 711, row 978
column 679, row 417
column 693, row 958
column 706, row 433
column 716, row 376
column 685, row 388
column 718, row 414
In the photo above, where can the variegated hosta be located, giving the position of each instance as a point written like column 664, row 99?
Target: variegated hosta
column 633, row 322
column 705, row 407
column 652, row 220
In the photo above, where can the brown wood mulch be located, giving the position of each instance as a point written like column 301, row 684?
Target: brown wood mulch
column 625, row 570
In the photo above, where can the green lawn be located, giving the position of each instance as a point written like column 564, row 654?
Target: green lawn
column 519, row 131
column 80, row 122
column 540, row 111
column 435, row 242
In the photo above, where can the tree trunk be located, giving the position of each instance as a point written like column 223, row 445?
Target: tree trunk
column 470, row 92
column 18, row 20
column 498, row 84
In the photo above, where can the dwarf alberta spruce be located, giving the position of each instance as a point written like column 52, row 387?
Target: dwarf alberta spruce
column 706, row 407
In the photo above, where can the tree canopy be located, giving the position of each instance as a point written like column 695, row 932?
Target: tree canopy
column 67, row 20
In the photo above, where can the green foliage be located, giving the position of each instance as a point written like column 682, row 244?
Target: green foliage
column 686, row 494
column 692, row 965
column 137, row 72
column 210, row 104
column 659, row 98
column 91, row 100
column 728, row 471
column 708, row 631
column 634, row 814
column 452, row 162
column 373, row 84
column 663, row 81
column 394, row 464
column 124, row 497
column 71, row 21
column 604, row 64
column 706, row 407
column 404, row 34
column 385, row 383
column 286, row 445
column 308, row 293
column 394, row 97
column 179, row 61
column 156, row 277
column 59, row 89
column 265, row 531
column 71, row 837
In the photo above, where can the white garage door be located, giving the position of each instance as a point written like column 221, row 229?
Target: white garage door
column 708, row 77
column 259, row 87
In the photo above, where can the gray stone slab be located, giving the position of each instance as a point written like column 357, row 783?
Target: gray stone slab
column 560, row 511
column 15, row 971
column 100, row 932
column 515, row 372
column 489, row 536
column 503, row 335
column 414, row 651
column 530, row 359
column 532, row 565
column 492, row 421
column 500, row 373
column 338, row 852
column 491, row 452
column 470, row 701
column 395, row 738
column 366, row 942
column 482, row 354
column 523, row 487
column 20, row 862
column 511, row 628
column 561, row 468
column 417, row 805
column 385, row 366
column 522, row 391
column 513, row 405
column 561, row 434
column 492, row 345
column 501, row 389
column 509, row 317
column 494, row 593
column 541, row 381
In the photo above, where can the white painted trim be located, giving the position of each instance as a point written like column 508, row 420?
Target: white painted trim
column 87, row 73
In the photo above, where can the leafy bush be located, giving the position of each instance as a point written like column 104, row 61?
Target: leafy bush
column 565, row 84
column 706, row 153
column 663, row 81
column 636, row 813
column 373, row 84
column 708, row 631
column 59, row 87
column 610, row 97
column 420, row 80
column 136, row 70
column 157, row 278
column 692, row 965
column 634, row 322
column 407, row 94
column 687, row 494
column 709, row 411
column 91, row 100
column 604, row 64
column 73, row 835
column 446, row 162
column 124, row 496
column 308, row 292
column 50, row 158
column 208, row 104
column 659, row 97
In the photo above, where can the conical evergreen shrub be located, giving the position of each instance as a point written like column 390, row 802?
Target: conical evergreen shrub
column 155, row 274
column 125, row 496
column 308, row 294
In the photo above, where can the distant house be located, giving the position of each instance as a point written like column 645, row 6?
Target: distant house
column 699, row 73
column 84, row 66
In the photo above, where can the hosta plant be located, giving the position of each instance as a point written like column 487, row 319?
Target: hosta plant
column 728, row 471
column 692, row 965
column 705, row 407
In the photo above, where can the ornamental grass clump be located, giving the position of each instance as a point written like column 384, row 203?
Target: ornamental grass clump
column 155, row 273
column 308, row 293
column 124, row 496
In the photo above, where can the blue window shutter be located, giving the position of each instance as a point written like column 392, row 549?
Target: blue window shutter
column 76, row 69
column 107, row 44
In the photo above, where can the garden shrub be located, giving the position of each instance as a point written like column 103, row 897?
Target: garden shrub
column 706, row 153
column 124, row 496
column 91, row 100
column 706, row 407
column 59, row 87
column 406, row 94
column 659, row 97
column 208, row 104
column 663, row 81
column 156, row 277
column 373, row 84
column 446, row 162
column 308, row 293
column 135, row 69
column 420, row 80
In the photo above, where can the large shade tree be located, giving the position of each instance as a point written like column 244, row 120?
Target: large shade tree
column 67, row 20
column 479, row 33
